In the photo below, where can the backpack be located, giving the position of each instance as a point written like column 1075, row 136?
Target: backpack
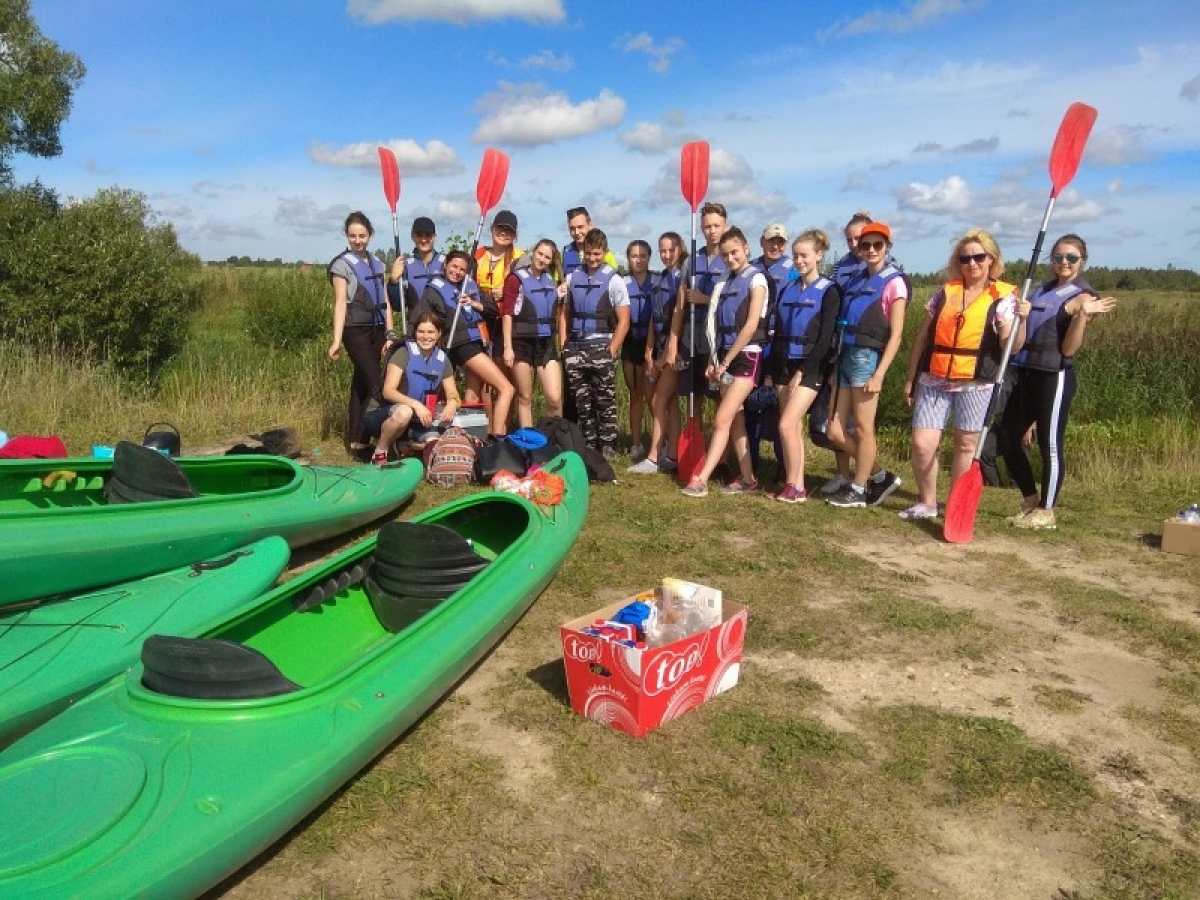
column 450, row 460
column 563, row 434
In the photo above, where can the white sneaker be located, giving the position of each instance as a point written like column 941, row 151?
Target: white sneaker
column 645, row 467
column 833, row 485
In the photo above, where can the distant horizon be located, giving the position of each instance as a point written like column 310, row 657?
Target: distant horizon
column 256, row 127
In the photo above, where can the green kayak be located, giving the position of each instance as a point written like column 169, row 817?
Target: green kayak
column 55, row 652
column 165, row 781
column 61, row 533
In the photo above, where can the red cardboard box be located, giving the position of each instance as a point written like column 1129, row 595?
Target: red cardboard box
column 634, row 690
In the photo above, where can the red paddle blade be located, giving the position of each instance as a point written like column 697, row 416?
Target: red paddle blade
column 493, row 175
column 1068, row 145
column 693, row 172
column 691, row 450
column 391, row 176
column 962, row 505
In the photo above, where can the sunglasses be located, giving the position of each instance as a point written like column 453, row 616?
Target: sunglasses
column 1071, row 258
column 871, row 245
column 977, row 258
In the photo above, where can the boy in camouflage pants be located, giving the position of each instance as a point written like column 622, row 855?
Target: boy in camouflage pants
column 592, row 323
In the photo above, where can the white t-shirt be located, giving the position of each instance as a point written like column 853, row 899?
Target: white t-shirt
column 757, row 280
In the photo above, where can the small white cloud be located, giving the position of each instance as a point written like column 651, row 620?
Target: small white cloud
column 660, row 54
column 460, row 12
column 548, row 60
column 219, row 230
column 527, row 115
column 951, row 195
column 856, row 181
column 914, row 16
column 303, row 215
column 214, row 189
column 1119, row 146
column 1115, row 186
column 1191, row 90
column 652, row 139
column 979, row 145
column 435, row 158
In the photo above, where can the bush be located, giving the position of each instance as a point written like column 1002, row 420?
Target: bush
column 96, row 276
column 288, row 308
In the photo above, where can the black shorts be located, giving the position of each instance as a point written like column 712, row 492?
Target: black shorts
column 745, row 365
column 465, row 351
column 634, row 350
column 692, row 378
column 537, row 351
column 784, row 373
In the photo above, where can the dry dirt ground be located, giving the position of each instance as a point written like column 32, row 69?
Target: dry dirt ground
column 1060, row 685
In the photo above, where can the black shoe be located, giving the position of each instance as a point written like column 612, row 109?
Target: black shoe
column 848, row 497
column 878, row 491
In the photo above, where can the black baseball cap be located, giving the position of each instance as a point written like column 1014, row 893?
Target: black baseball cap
column 423, row 225
column 505, row 219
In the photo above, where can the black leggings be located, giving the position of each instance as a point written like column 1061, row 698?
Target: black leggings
column 364, row 346
column 1042, row 399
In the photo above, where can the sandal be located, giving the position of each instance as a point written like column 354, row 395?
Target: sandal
column 919, row 511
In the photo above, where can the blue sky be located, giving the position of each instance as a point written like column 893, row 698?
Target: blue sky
column 253, row 127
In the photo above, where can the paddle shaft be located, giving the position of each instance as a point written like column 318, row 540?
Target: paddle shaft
column 403, row 281
column 692, row 328
column 470, row 272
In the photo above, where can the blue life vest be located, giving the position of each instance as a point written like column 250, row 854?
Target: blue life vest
column 845, row 269
column 572, row 258
column 468, row 318
column 419, row 272
column 641, row 307
column 591, row 308
column 538, row 297
column 864, row 324
column 799, row 316
column 1047, row 326
column 664, row 288
column 707, row 271
column 366, row 297
column 423, row 376
column 733, row 308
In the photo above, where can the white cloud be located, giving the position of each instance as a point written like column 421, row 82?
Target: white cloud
column 732, row 183
column 435, row 158
column 1191, row 90
column 527, row 115
column 951, row 195
column 548, row 60
column 660, row 54
column 1115, row 186
column 651, row 138
column 460, row 12
column 914, row 16
column 1118, row 146
column 220, row 230
column 304, row 216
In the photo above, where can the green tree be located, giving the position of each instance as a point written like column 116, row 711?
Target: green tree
column 99, row 276
column 37, row 80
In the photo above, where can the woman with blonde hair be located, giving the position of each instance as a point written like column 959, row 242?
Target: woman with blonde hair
column 955, row 358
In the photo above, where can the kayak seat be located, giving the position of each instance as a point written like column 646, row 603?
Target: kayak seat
column 210, row 669
column 142, row 474
column 416, row 566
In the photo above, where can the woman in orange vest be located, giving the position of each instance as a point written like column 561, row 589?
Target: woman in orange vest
column 954, row 360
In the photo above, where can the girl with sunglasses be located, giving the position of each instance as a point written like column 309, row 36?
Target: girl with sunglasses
column 1042, row 377
column 954, row 360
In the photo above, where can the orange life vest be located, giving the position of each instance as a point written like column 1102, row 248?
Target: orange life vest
column 963, row 344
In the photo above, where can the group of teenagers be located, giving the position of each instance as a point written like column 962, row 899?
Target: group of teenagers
column 721, row 326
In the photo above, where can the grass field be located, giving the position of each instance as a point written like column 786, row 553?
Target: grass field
column 1017, row 717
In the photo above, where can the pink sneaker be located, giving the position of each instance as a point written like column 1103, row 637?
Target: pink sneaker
column 790, row 494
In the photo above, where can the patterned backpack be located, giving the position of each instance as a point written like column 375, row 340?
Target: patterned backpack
column 450, row 460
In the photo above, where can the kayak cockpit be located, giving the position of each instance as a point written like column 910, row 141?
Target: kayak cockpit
column 314, row 631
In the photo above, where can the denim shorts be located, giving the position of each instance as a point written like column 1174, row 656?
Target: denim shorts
column 376, row 417
column 857, row 365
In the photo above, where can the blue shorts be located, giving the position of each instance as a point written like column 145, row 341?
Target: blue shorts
column 857, row 365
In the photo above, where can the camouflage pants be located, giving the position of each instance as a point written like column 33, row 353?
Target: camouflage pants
column 592, row 378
